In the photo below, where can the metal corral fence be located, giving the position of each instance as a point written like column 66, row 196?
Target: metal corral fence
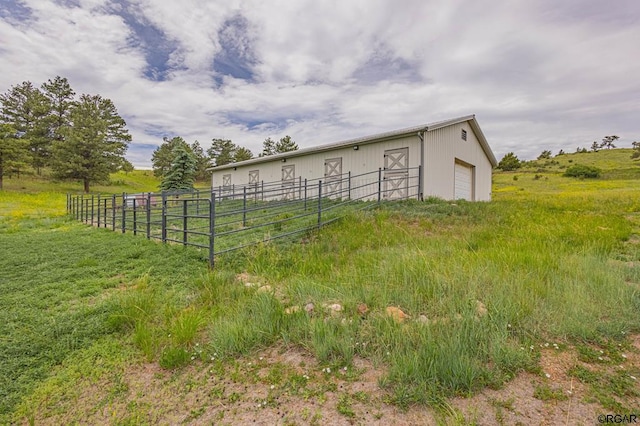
column 229, row 218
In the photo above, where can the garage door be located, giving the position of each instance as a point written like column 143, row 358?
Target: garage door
column 463, row 182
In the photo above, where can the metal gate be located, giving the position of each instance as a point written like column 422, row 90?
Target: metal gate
column 288, row 182
column 396, row 173
column 333, row 177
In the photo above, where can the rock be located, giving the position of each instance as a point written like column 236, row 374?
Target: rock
column 457, row 317
column 481, row 309
column 363, row 308
column 422, row 319
column 335, row 307
column 265, row 289
column 291, row 310
column 309, row 308
column 397, row 313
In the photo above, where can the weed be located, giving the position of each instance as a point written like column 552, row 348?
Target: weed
column 344, row 406
column 545, row 392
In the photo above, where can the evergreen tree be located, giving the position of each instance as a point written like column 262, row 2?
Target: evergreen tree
column 609, row 141
column 268, row 147
column 13, row 150
column 60, row 96
column 509, row 162
column 202, row 161
column 545, row 155
column 27, row 109
column 242, row 154
column 162, row 157
column 181, row 175
column 636, row 149
column 595, row 146
column 286, row 145
column 222, row 151
column 93, row 145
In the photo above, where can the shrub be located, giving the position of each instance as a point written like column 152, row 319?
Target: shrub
column 582, row 171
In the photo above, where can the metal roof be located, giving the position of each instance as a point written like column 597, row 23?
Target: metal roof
column 371, row 139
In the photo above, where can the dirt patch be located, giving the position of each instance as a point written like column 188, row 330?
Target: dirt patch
column 286, row 386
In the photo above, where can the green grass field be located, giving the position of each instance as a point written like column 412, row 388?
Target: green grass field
column 551, row 259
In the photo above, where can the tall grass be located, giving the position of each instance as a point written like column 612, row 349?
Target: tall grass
column 550, row 259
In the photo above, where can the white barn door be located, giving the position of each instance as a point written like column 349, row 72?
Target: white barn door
column 396, row 174
column 333, row 177
column 463, row 182
column 288, row 182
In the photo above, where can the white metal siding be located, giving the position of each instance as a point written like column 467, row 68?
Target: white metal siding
column 368, row 158
column 463, row 182
column 442, row 147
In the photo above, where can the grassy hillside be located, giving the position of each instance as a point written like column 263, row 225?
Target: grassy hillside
column 439, row 299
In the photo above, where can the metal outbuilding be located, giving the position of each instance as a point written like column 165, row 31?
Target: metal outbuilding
column 448, row 159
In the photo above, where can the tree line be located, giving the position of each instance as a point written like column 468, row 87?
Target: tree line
column 511, row 162
column 178, row 164
column 81, row 138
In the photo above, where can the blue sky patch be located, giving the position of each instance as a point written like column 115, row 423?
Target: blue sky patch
column 147, row 37
column 14, row 11
column 236, row 57
column 383, row 66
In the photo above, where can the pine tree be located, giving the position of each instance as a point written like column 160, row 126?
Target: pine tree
column 286, row 145
column 93, row 145
column 13, row 150
column 163, row 155
column 181, row 175
column 27, row 109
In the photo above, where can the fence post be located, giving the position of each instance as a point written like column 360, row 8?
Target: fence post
column 124, row 212
column 113, row 212
column 212, row 220
column 420, row 193
column 305, row 194
column 262, row 190
column 92, row 210
column 349, row 183
column 197, row 202
column 68, row 208
column 319, row 203
column 379, row 184
column 184, row 222
column 98, row 210
column 244, row 206
column 164, row 217
column 105, row 213
column 135, row 217
column 148, row 215
column 299, row 187
column 81, row 208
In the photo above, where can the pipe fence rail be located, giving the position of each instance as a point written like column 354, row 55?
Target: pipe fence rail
column 227, row 218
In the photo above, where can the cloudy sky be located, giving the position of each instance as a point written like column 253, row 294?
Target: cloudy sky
column 544, row 74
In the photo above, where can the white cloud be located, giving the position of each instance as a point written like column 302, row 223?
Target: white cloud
column 538, row 75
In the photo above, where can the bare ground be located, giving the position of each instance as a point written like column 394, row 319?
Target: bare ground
column 285, row 386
